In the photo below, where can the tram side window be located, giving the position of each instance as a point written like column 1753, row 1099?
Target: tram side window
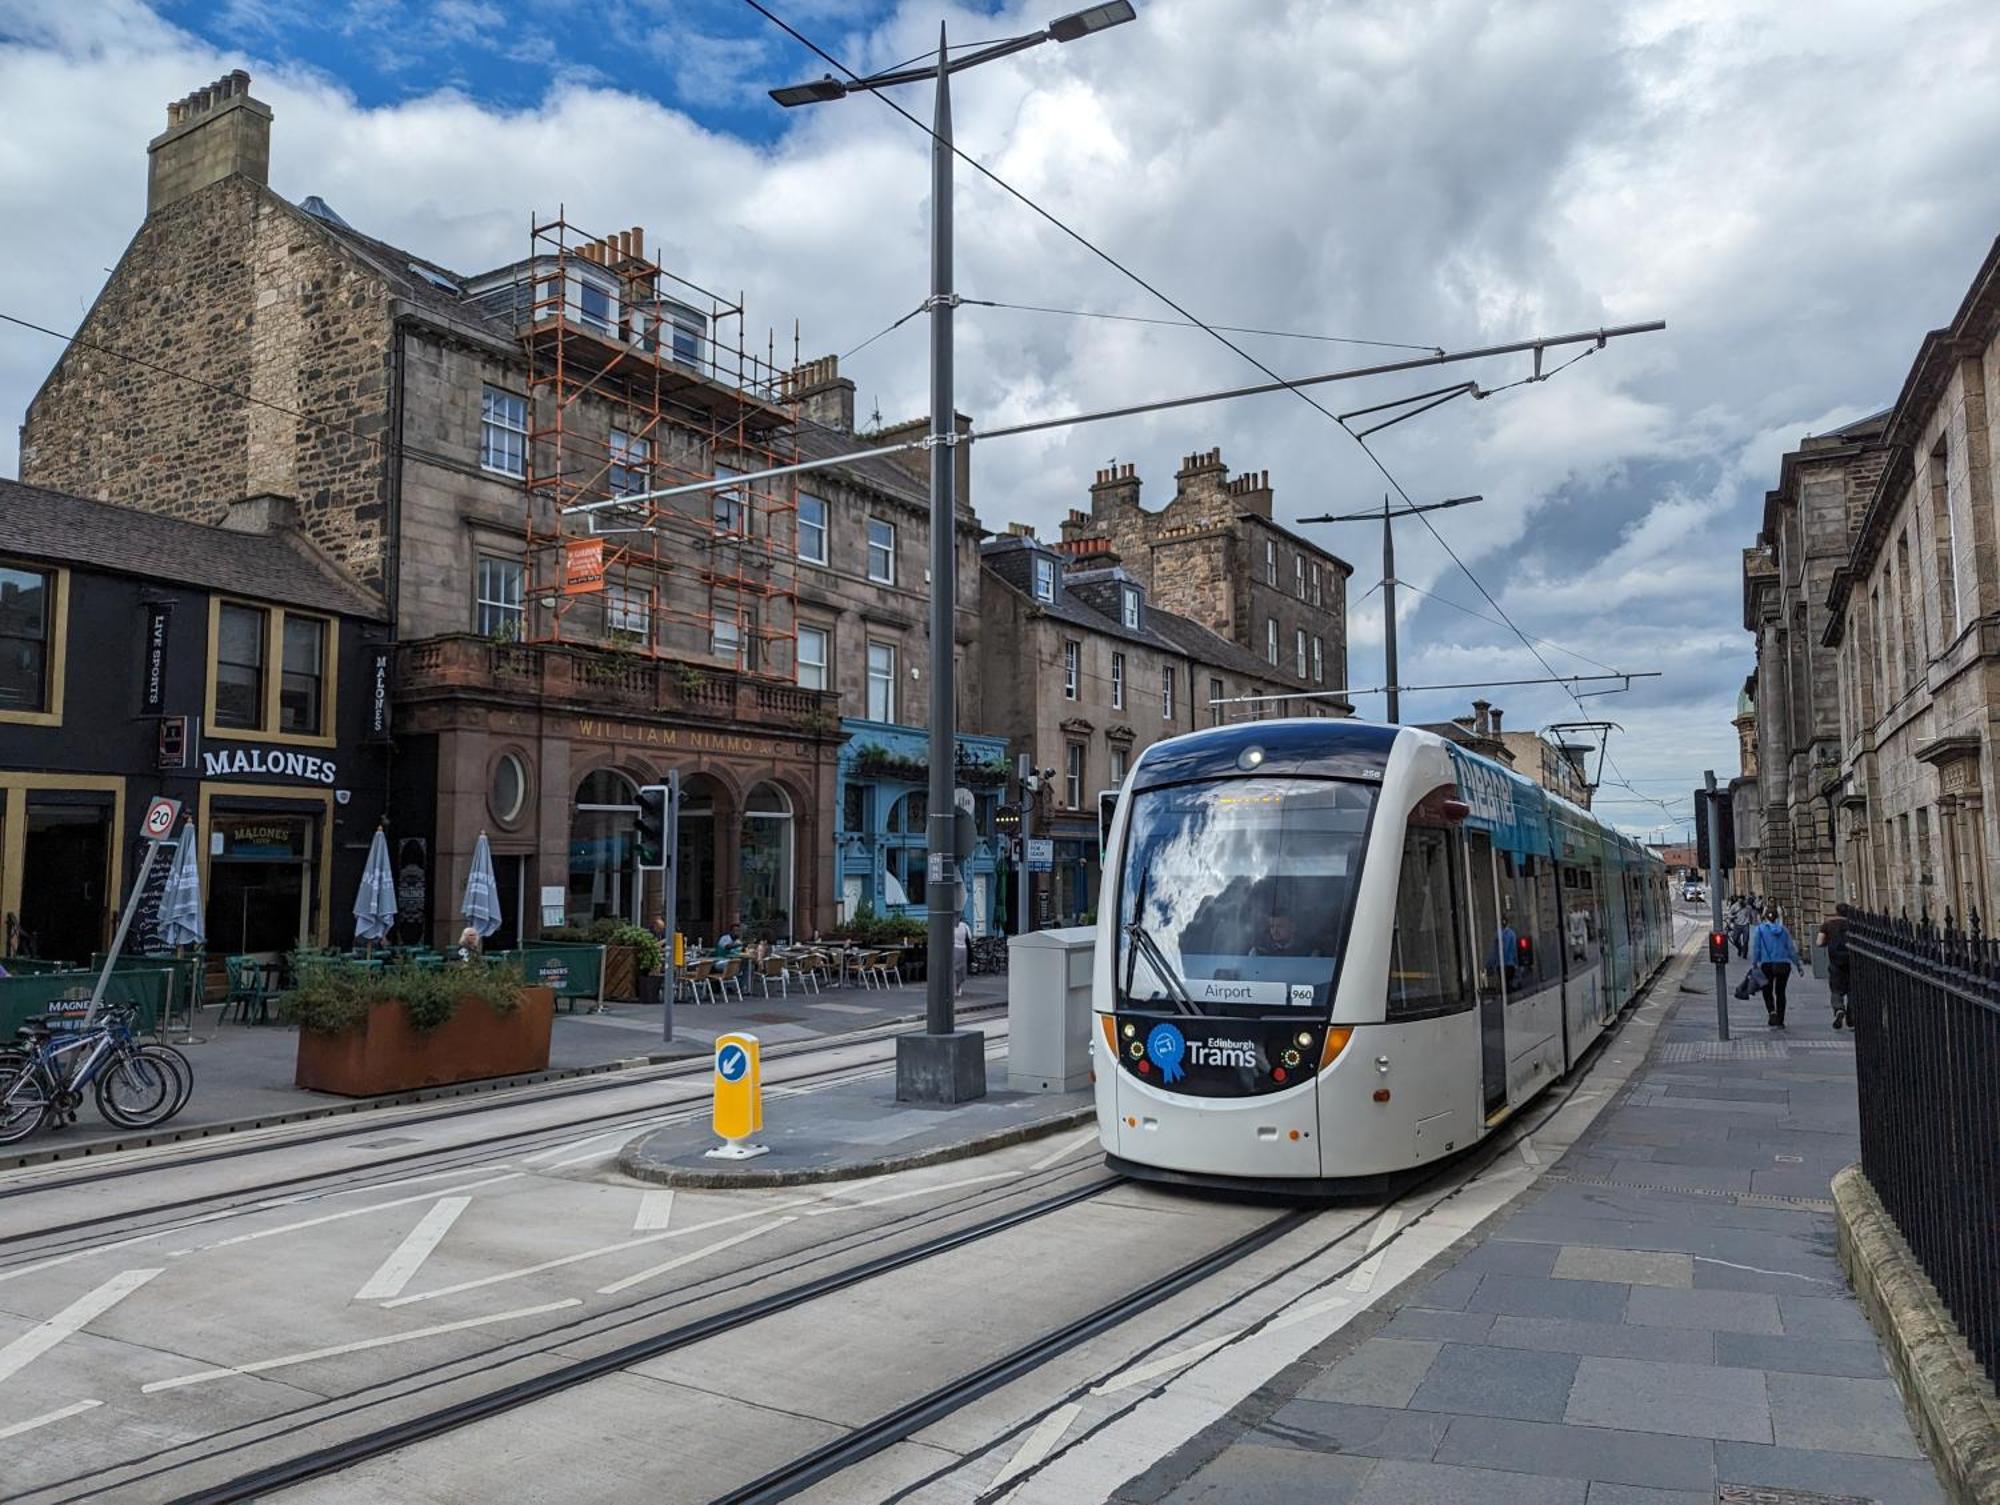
column 1426, row 974
column 1527, row 910
column 1583, row 937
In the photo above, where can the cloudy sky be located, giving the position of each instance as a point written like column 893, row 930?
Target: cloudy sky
column 1799, row 189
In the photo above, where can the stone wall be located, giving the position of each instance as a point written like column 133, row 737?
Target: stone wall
column 228, row 286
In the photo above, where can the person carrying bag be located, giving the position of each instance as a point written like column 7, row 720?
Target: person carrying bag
column 1773, row 950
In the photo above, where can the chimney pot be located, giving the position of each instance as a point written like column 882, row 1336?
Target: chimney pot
column 1496, row 720
column 215, row 132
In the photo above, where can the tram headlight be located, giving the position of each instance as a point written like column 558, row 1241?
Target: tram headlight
column 1305, row 1039
column 1138, row 1050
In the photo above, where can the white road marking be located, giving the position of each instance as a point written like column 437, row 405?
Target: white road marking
column 1294, row 1315
column 585, row 1158
column 1068, row 1148
column 1035, row 1446
column 38, row 1340
column 542, row 1157
column 46, row 1417
column 1364, row 1275
column 334, row 1217
column 1530, row 1156
column 687, row 1259
column 571, row 1259
column 915, row 1191
column 348, row 1191
column 656, row 1209
column 205, row 1375
column 408, row 1257
column 1126, row 1379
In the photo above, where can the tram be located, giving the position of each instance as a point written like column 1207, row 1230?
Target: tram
column 1331, row 951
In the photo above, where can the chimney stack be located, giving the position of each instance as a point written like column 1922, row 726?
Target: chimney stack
column 1115, row 488
column 211, row 134
column 1482, row 717
column 1496, row 720
column 823, row 394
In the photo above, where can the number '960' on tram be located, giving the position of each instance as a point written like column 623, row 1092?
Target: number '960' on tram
column 1332, row 950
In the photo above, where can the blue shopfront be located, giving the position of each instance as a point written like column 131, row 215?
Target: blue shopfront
column 880, row 847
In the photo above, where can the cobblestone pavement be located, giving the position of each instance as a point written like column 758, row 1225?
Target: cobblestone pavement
column 1658, row 1318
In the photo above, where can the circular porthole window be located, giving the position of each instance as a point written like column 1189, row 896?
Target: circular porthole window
column 510, row 788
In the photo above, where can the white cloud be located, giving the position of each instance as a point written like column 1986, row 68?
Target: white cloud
column 1800, row 191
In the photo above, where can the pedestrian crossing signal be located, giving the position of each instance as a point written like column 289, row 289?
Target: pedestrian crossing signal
column 1718, row 947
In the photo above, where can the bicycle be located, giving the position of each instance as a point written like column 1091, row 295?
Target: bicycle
column 135, row 1086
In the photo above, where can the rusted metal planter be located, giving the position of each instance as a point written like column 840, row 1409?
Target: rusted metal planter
column 386, row 1055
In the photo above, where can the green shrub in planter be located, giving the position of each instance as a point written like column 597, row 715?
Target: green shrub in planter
column 334, row 995
column 652, row 956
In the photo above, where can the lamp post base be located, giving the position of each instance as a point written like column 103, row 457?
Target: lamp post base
column 941, row 1068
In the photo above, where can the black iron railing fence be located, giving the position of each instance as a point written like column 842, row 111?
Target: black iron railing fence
column 1926, row 1011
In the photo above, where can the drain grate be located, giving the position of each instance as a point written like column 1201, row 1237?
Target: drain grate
column 1721, row 1050
column 1763, row 1494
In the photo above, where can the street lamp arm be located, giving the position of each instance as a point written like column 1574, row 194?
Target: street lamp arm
column 1377, row 515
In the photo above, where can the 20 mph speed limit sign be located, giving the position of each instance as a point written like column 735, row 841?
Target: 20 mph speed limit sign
column 160, row 817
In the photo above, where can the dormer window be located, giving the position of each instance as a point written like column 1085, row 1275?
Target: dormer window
column 594, row 304
column 1045, row 579
column 1128, row 606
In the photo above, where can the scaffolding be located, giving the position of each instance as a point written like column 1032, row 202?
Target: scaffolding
column 639, row 380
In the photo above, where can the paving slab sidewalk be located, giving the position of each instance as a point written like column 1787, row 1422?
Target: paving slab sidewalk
column 1659, row 1321
column 243, row 1072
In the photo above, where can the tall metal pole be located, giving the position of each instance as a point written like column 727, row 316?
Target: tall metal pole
column 943, row 885
column 944, row 1064
column 1716, row 872
column 1389, row 671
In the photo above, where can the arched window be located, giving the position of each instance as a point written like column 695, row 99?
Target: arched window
column 767, row 862
column 904, row 846
column 603, row 856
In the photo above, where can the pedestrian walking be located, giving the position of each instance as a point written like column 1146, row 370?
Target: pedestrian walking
column 1742, row 912
column 1833, row 937
column 961, row 955
column 1773, row 950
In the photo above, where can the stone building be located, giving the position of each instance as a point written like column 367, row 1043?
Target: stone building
column 1559, row 767
column 478, row 452
column 1874, row 591
column 1746, row 798
column 1909, row 651
column 1788, row 579
column 1214, row 555
column 1088, row 670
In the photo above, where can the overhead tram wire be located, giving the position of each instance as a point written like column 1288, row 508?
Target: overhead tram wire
column 1280, row 382
column 888, row 329
column 1536, row 376
column 1481, row 616
column 1276, row 334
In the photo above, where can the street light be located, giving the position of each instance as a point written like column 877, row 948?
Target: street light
column 945, row 1064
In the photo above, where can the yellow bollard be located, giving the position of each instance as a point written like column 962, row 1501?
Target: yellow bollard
column 739, row 1098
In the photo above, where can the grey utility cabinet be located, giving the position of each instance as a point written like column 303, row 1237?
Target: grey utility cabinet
column 1048, row 1009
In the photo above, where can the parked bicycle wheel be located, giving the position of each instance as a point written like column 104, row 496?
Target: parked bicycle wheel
column 137, row 1091
column 178, row 1063
column 24, row 1098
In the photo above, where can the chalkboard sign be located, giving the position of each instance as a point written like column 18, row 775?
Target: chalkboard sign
column 144, row 937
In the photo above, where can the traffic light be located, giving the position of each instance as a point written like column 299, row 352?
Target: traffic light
column 652, row 840
column 1725, row 810
column 1718, row 947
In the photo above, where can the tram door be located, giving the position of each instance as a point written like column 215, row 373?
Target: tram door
column 1490, row 968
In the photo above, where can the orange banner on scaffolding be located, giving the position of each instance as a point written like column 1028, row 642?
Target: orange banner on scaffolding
column 583, row 566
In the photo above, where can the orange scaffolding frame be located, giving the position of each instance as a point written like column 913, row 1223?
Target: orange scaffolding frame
column 639, row 380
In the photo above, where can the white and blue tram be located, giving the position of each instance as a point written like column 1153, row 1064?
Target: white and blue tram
column 1331, row 950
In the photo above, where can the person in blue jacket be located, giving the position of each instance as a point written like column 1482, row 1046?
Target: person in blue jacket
column 1772, row 948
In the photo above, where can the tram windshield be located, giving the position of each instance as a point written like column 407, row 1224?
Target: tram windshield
column 1236, row 895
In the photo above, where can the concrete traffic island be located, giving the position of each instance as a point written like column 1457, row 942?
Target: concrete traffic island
column 852, row 1130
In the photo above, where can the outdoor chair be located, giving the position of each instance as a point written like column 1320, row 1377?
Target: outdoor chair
column 731, row 976
column 889, row 964
column 699, row 980
column 770, row 967
column 247, row 990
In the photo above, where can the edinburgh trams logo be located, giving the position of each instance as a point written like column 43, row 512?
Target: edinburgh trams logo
column 1167, row 1045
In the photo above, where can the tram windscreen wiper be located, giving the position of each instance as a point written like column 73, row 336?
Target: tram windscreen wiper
column 1143, row 943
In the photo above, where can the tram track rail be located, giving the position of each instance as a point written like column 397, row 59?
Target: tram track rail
column 390, row 1437
column 481, row 1149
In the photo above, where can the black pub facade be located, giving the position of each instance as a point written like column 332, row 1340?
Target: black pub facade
column 232, row 668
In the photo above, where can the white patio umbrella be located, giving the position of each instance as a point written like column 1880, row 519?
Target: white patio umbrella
column 181, row 918
column 375, row 904
column 482, row 892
